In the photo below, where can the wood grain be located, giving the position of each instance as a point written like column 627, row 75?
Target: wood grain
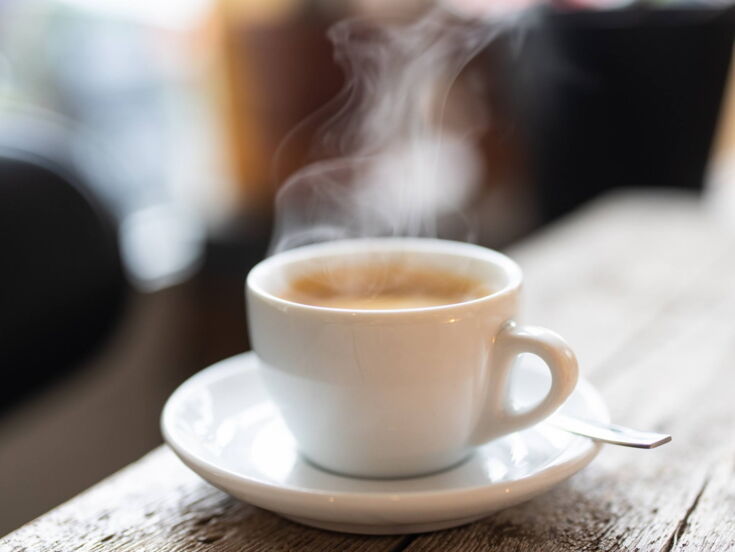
column 158, row 505
column 643, row 287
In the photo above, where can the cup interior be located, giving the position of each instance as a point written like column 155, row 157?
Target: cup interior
column 495, row 271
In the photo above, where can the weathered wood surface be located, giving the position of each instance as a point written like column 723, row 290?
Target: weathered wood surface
column 643, row 287
column 158, row 505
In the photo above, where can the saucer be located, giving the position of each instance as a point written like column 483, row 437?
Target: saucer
column 222, row 425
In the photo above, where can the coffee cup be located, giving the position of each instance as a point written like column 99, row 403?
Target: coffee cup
column 395, row 390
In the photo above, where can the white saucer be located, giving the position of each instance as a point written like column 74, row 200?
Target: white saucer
column 222, row 425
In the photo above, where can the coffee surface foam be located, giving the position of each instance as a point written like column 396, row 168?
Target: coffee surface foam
column 382, row 286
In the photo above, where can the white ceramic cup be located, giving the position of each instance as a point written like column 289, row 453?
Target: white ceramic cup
column 395, row 393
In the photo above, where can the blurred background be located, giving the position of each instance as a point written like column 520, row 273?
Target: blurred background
column 142, row 145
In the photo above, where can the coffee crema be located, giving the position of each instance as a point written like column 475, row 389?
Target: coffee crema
column 382, row 286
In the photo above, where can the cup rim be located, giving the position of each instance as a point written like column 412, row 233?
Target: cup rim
column 508, row 265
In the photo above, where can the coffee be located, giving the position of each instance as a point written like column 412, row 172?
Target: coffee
column 382, row 286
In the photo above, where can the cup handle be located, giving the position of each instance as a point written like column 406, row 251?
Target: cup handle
column 511, row 341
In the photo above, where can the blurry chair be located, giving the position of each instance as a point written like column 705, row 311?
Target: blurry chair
column 62, row 284
column 86, row 362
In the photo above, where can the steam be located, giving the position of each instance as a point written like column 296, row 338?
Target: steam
column 397, row 162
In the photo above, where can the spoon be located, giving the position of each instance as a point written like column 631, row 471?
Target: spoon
column 609, row 433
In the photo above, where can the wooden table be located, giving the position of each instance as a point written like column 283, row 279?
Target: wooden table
column 643, row 287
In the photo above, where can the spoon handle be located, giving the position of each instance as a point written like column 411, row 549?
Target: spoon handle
column 609, row 433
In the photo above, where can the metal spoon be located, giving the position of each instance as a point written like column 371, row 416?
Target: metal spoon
column 610, row 433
